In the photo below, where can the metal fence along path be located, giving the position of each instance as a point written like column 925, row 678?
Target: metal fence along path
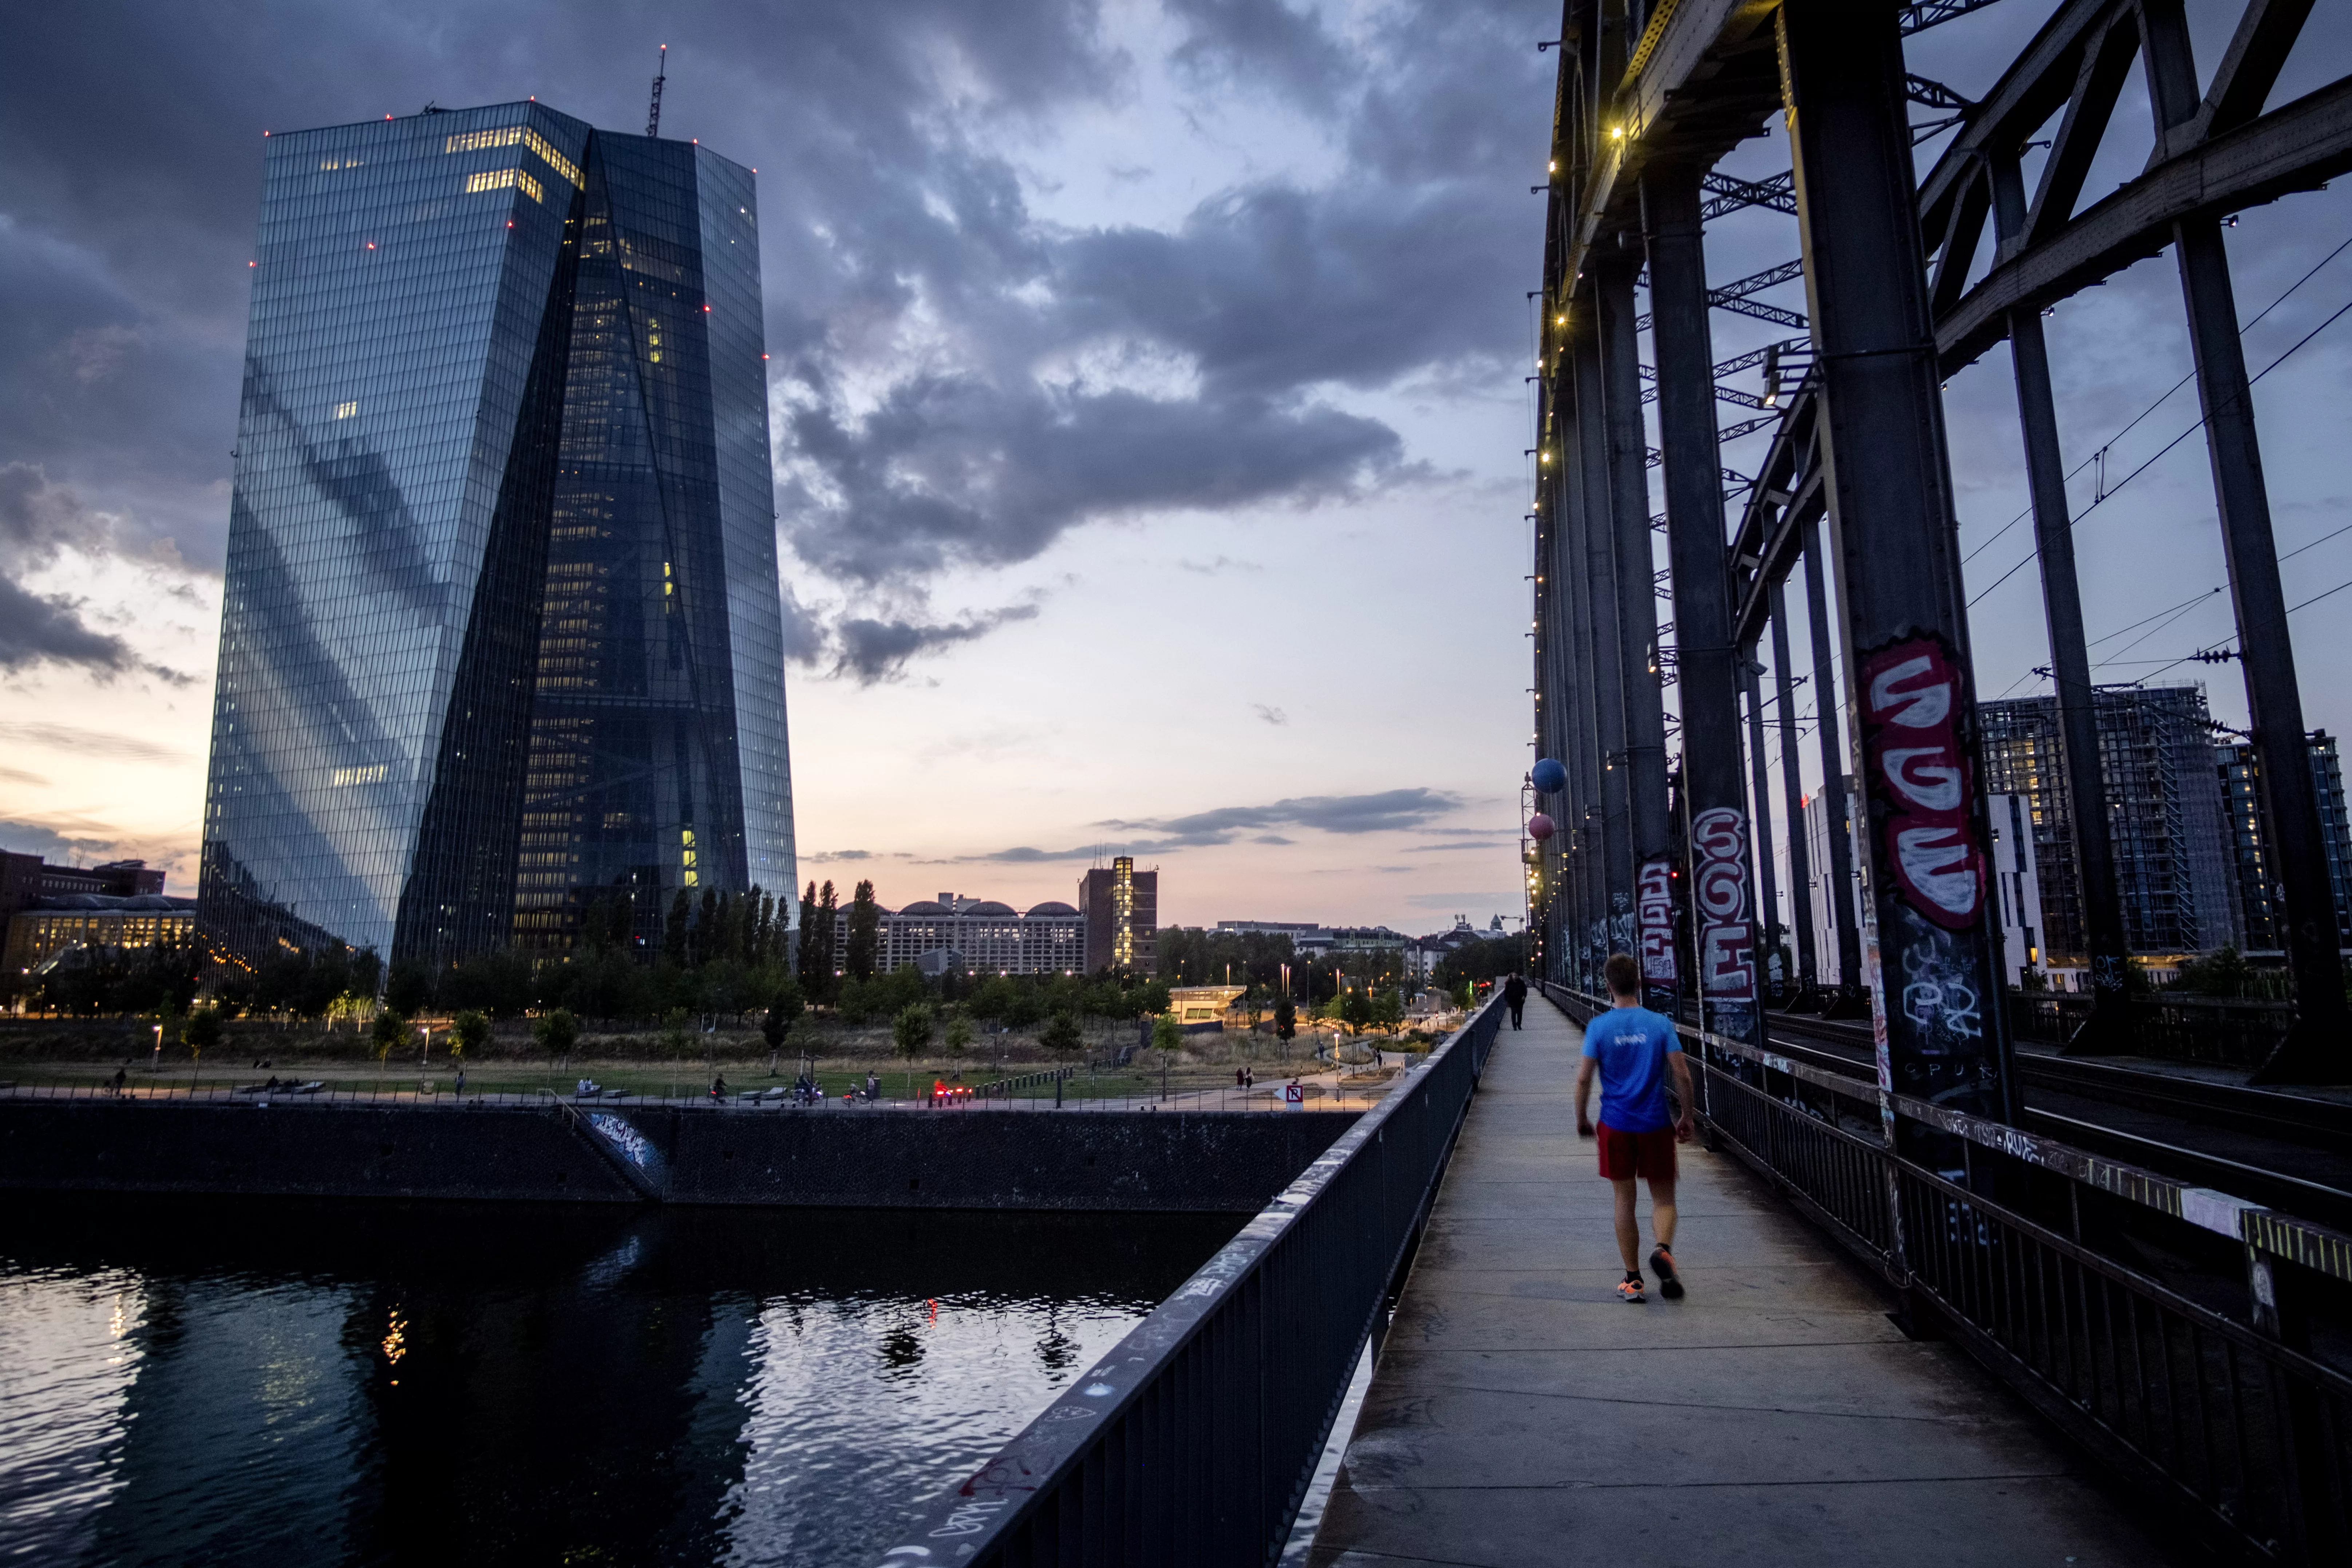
column 2212, row 1406
column 1193, row 1441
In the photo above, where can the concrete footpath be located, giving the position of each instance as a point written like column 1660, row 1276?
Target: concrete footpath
column 1521, row 1413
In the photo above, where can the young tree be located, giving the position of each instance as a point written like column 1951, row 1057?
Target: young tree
column 1167, row 1035
column 390, row 1030
column 408, row 988
column 1355, row 1012
column 911, row 1031
column 203, row 1028
column 703, row 945
column 556, row 1031
column 958, row 1031
column 1388, row 1011
column 865, row 933
column 469, row 1032
column 677, row 1033
column 806, row 959
column 1285, row 1018
column 784, row 1010
column 1062, row 1032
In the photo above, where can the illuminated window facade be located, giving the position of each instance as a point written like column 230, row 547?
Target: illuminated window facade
column 1121, row 906
column 54, row 926
column 2175, row 875
column 501, row 622
column 2258, row 886
column 981, row 935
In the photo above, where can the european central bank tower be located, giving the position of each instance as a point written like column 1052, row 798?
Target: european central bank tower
column 502, row 632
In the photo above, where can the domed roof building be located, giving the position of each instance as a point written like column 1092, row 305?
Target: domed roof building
column 982, row 935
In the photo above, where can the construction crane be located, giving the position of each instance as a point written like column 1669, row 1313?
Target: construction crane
column 653, row 112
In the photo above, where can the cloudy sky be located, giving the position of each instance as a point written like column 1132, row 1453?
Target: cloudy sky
column 1148, row 406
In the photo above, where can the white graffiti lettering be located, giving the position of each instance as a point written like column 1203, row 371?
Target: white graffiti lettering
column 617, row 1132
column 1917, row 766
column 1920, row 707
column 1656, row 908
column 1931, row 785
column 968, row 1519
column 1727, row 941
column 1722, row 890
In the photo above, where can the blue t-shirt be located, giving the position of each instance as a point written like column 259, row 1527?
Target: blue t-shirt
column 1630, row 1045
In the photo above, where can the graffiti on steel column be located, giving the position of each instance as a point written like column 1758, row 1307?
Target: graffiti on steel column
column 1621, row 923
column 1934, row 966
column 1726, row 934
column 1912, row 704
column 1654, row 907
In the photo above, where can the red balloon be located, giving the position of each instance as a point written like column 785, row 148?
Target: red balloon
column 1540, row 827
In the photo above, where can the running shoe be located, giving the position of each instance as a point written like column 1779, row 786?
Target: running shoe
column 1630, row 1288
column 1670, row 1284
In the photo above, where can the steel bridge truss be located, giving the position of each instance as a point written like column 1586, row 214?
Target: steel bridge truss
column 1906, row 280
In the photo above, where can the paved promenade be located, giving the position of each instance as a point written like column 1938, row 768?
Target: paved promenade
column 1520, row 1413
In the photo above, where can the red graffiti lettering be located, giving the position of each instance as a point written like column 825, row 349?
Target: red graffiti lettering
column 1912, row 698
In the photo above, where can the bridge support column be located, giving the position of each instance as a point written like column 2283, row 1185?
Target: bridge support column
column 1720, row 886
column 2105, row 1030
column 1832, row 733
column 2313, row 1050
column 1598, row 557
column 1649, row 825
column 1766, row 865
column 1931, row 953
column 1792, row 794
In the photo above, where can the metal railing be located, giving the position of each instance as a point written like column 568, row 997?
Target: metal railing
column 1194, row 1440
column 1328, row 1091
column 2231, row 1420
column 2221, row 1031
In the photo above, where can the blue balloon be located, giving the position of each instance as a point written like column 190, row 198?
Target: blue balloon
column 1549, row 778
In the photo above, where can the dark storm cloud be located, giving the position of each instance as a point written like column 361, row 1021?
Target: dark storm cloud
column 33, row 839
column 1261, row 42
column 955, row 469
column 916, row 306
column 873, row 651
column 35, row 629
column 1383, row 812
column 38, row 521
column 1379, row 812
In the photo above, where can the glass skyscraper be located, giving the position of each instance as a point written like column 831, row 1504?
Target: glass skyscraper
column 501, row 631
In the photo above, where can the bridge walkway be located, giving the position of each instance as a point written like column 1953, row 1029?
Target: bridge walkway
column 1521, row 1413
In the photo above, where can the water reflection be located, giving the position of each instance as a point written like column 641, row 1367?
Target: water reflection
column 196, row 1381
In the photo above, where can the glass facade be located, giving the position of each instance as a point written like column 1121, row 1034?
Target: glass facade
column 501, row 626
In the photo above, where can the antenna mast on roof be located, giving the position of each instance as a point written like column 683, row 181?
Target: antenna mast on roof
column 653, row 114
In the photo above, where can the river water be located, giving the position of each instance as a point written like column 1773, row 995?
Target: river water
column 285, row 1382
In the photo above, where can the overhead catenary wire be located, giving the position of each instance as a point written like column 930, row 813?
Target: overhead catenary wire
column 2076, row 520
column 2099, row 455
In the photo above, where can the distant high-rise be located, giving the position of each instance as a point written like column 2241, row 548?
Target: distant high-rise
column 1121, row 907
column 2258, row 888
column 501, row 626
column 2175, row 875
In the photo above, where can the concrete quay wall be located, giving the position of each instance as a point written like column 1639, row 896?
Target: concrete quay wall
column 1163, row 1161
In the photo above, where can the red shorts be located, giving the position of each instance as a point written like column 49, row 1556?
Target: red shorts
column 1625, row 1155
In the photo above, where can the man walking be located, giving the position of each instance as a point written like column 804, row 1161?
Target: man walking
column 1515, row 997
column 1631, row 1050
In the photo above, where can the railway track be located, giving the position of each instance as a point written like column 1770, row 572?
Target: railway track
column 2290, row 1151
